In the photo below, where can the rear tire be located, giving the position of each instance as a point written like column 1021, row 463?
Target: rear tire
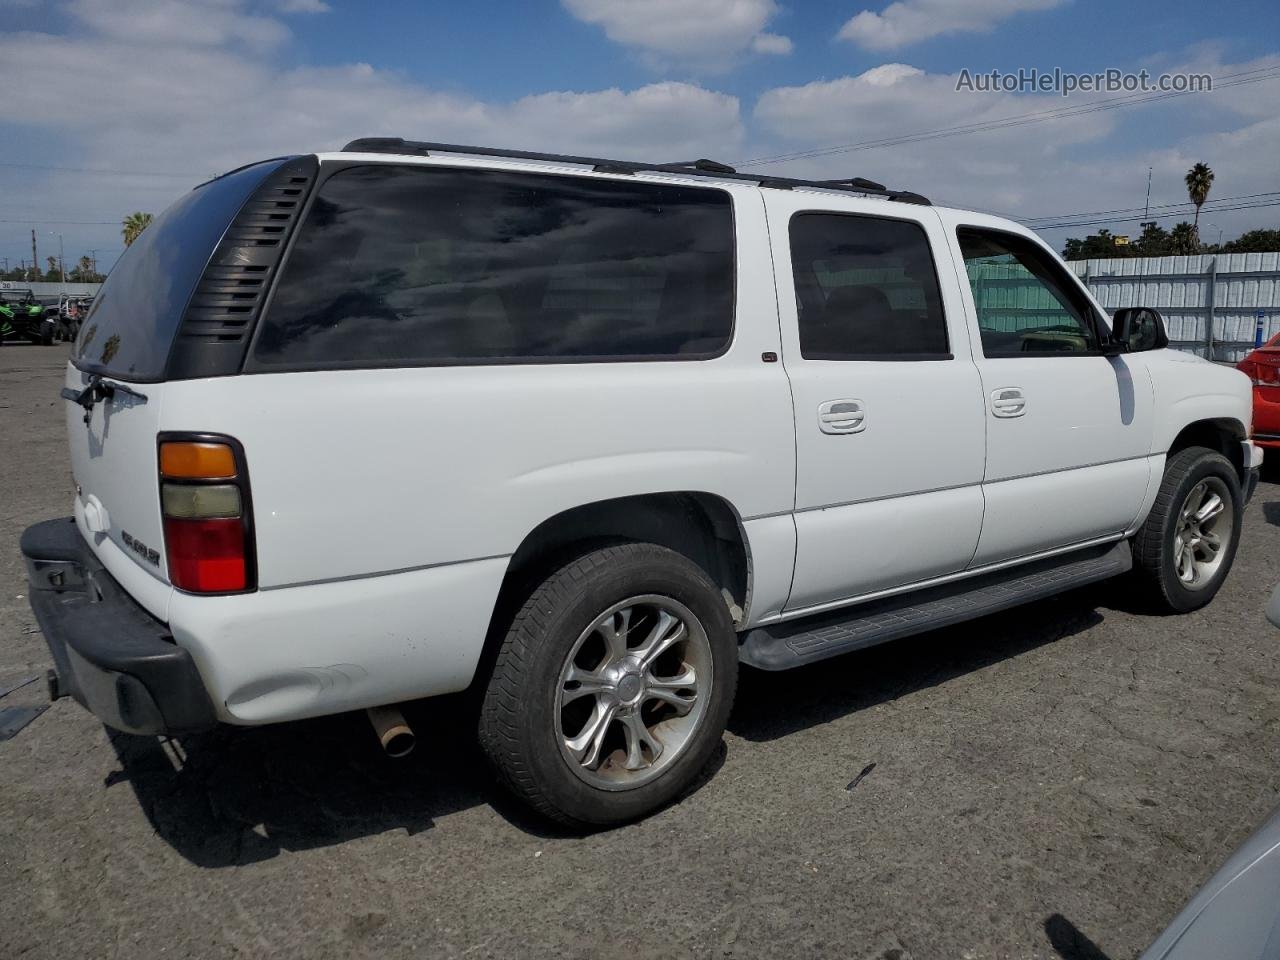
column 1185, row 548
column 612, row 688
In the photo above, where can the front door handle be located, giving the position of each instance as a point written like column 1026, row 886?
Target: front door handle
column 1008, row 402
column 842, row 416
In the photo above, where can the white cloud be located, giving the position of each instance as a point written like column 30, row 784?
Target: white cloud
column 214, row 23
column 204, row 101
column 771, row 43
column 303, row 6
column 707, row 34
column 898, row 99
column 911, row 21
column 1054, row 167
column 198, row 97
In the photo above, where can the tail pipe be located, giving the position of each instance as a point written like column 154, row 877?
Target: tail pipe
column 393, row 732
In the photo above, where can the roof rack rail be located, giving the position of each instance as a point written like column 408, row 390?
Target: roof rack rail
column 710, row 166
column 856, row 182
column 694, row 168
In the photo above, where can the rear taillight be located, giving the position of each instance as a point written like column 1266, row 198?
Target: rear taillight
column 208, row 524
column 1262, row 374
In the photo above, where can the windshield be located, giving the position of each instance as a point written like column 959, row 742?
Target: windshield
column 135, row 315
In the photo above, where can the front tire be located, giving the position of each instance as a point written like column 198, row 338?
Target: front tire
column 613, row 686
column 1186, row 547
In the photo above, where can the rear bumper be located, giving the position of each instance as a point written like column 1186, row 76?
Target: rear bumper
column 112, row 656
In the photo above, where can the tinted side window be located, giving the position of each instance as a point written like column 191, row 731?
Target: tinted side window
column 1024, row 304
column 405, row 265
column 866, row 288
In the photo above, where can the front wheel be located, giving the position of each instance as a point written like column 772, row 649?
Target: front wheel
column 613, row 686
column 1188, row 542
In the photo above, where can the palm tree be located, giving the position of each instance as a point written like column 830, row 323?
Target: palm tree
column 134, row 224
column 1183, row 240
column 1199, row 181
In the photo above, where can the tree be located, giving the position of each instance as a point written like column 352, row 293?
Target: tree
column 1199, row 181
column 134, row 224
column 1097, row 246
column 1255, row 241
column 1183, row 240
column 83, row 272
column 1154, row 241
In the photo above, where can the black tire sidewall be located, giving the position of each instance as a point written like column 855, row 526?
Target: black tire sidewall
column 1182, row 599
column 635, row 571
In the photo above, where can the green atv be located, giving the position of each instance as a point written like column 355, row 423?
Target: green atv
column 23, row 317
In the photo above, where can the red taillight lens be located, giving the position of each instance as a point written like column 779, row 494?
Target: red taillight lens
column 1262, row 373
column 204, row 497
column 206, row 556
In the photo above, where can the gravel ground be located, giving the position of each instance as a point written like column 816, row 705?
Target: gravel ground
column 1054, row 781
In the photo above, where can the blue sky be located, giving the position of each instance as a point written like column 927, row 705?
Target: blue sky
column 139, row 99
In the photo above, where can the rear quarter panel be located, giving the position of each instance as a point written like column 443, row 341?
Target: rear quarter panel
column 362, row 472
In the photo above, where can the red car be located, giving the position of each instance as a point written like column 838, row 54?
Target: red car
column 1263, row 368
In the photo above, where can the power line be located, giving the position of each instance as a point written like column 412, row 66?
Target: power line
column 1090, row 223
column 1039, row 116
column 45, row 222
column 1163, row 206
column 99, row 170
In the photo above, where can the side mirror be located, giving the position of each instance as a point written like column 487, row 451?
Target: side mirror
column 1138, row 329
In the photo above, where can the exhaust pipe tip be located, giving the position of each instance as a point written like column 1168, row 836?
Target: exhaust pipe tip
column 393, row 732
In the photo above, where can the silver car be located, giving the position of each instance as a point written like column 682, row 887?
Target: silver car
column 1236, row 915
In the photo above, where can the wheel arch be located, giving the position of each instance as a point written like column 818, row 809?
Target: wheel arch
column 704, row 527
column 1223, row 434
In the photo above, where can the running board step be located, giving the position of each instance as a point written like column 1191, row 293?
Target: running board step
column 792, row 644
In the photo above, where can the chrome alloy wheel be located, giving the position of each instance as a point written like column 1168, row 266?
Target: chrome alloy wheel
column 1202, row 533
column 633, row 691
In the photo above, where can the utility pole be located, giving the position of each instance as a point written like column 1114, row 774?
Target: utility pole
column 62, row 264
column 35, row 257
column 1146, row 213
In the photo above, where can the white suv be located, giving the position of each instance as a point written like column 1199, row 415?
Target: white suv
column 356, row 428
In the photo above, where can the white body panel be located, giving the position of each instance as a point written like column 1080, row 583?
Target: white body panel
column 304, row 651
column 388, row 502
column 113, row 464
column 899, row 500
column 1071, row 465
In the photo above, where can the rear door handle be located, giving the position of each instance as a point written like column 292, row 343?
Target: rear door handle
column 1008, row 402
column 842, row 416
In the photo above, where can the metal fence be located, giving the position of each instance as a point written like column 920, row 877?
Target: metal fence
column 42, row 289
column 1212, row 303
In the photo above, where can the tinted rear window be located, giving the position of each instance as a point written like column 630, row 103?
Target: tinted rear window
column 412, row 265
column 136, row 314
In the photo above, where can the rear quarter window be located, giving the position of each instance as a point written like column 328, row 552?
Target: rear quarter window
column 131, row 327
column 413, row 265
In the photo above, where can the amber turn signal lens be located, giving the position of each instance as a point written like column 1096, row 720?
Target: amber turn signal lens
column 197, row 461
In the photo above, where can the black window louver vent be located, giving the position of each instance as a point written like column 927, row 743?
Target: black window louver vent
column 225, row 305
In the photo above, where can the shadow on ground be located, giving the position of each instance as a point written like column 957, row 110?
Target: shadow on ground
column 1069, row 943
column 240, row 795
column 1271, row 510
column 772, row 705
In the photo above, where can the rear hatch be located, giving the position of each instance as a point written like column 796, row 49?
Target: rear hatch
column 179, row 304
